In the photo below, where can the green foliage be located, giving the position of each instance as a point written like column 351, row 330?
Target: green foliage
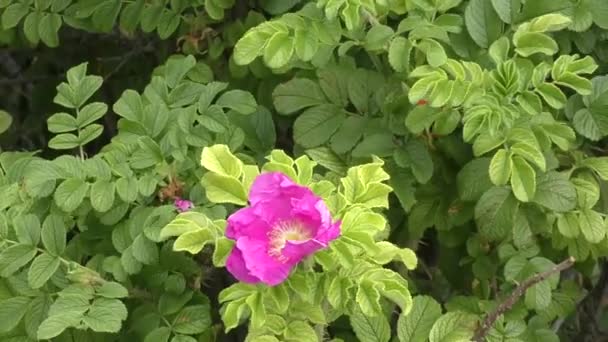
column 474, row 126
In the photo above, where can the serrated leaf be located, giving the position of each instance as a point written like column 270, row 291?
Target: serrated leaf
column 15, row 257
column 105, row 315
column 238, row 100
column 102, row 195
column 316, row 125
column 555, row 191
column 373, row 329
column 42, row 269
column 482, row 22
column 192, row 320
column 194, row 241
column 495, row 212
column 219, row 159
column 11, row 312
column 592, row 225
column 416, row 326
column 523, row 179
column 297, row 94
column 500, row 167
column 453, row 326
column 70, row 194
column 224, row 189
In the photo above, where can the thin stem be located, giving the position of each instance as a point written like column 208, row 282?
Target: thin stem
column 80, row 146
column 506, row 305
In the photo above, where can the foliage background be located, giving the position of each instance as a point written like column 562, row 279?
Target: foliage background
column 489, row 116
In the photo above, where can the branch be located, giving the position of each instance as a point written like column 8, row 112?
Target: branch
column 505, row 306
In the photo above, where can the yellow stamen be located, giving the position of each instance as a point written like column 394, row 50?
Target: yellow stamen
column 292, row 231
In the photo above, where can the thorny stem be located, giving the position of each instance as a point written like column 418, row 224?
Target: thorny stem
column 506, row 305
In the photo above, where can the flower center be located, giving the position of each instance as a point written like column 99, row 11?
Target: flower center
column 282, row 232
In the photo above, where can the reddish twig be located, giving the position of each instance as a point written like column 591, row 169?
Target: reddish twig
column 506, row 305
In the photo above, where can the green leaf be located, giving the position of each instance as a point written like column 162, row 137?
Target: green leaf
column 144, row 250
column 238, row 100
column 224, row 189
column 592, row 225
column 473, row 179
column 587, row 192
column 223, row 247
column 127, row 188
column 507, row 10
column 453, row 326
column 194, row 241
column 590, row 123
column 105, row 315
column 555, row 191
column 27, row 228
column 70, row 194
column 372, row 329
column 250, row 46
column 90, row 113
column 399, row 54
column 368, row 298
column 102, row 195
column 6, row 121
column 89, row 134
column 538, row 297
column 597, row 164
column 131, row 15
column 48, row 27
column 54, row 325
column 482, row 22
column 306, row 44
column 15, row 257
column 348, row 134
column 316, row 125
column 64, row 142
column 495, row 212
column 54, row 234
column 105, row 15
column 530, row 153
column 219, row 159
column 110, row 289
column 37, row 311
column 523, row 179
column 435, row 54
column 62, row 122
column 300, row 331
column 500, row 167
column 599, row 13
column 381, row 145
column 420, row 161
column 377, row 37
column 297, row 94
column 42, row 269
column 12, row 15
column 278, row 50
column 11, row 312
column 192, row 320
column 417, row 324
column 530, row 43
column 552, row 95
column 568, row 225
column 160, row 334
column 169, row 22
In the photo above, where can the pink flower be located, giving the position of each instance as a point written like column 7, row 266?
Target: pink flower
column 284, row 223
column 183, row 205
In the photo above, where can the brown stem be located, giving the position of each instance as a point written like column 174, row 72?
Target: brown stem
column 506, row 305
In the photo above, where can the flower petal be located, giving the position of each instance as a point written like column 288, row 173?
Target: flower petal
column 235, row 264
column 245, row 222
column 296, row 251
column 268, row 185
column 260, row 264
